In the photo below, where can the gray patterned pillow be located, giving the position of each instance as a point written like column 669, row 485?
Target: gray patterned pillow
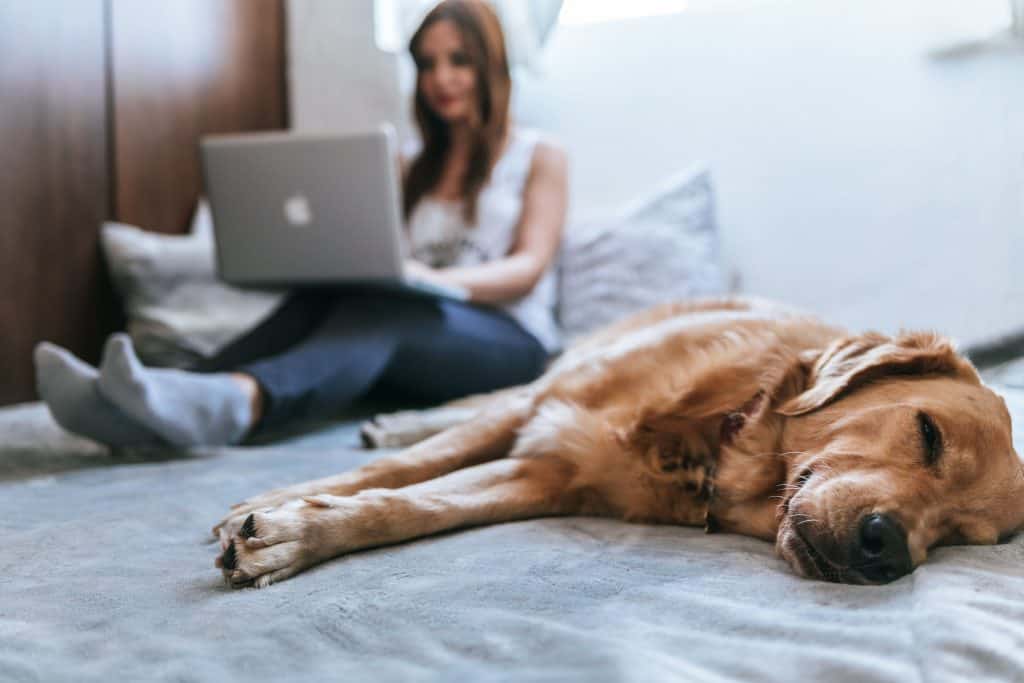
column 177, row 309
column 659, row 248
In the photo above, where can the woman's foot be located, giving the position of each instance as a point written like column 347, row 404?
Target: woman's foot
column 185, row 408
column 69, row 388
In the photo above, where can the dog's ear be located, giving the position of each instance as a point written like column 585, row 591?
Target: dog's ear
column 852, row 361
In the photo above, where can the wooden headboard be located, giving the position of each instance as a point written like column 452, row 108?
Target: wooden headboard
column 103, row 105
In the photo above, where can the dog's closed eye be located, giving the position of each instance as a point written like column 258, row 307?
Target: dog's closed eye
column 931, row 438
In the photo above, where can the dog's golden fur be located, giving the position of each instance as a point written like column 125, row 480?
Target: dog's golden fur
column 737, row 415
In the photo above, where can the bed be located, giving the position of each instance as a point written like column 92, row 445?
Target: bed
column 106, row 573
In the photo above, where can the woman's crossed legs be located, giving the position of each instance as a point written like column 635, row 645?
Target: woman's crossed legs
column 314, row 355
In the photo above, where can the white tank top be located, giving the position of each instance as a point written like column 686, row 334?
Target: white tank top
column 439, row 236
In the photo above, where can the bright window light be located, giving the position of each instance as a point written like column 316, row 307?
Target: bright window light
column 594, row 11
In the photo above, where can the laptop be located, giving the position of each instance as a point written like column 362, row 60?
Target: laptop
column 295, row 210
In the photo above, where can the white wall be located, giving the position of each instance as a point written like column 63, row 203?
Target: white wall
column 860, row 174
column 338, row 80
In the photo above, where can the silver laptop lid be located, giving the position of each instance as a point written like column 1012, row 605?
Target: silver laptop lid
column 292, row 209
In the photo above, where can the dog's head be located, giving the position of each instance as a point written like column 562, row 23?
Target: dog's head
column 896, row 447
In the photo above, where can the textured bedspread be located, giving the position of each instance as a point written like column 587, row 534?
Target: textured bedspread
column 106, row 574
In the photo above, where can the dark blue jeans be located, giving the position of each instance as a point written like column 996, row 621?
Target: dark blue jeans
column 322, row 349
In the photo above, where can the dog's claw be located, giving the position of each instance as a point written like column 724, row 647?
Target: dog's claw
column 248, row 529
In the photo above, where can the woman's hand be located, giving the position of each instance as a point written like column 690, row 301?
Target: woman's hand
column 414, row 270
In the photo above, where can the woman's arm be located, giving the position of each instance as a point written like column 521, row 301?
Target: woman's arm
column 545, row 202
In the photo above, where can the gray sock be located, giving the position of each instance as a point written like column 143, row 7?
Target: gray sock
column 185, row 408
column 68, row 386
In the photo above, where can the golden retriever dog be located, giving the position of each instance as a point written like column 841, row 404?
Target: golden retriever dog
column 853, row 454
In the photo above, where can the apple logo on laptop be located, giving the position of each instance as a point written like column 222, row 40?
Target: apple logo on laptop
column 297, row 211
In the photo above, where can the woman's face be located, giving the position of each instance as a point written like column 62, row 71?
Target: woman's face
column 447, row 79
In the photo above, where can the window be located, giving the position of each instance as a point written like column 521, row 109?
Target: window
column 593, row 11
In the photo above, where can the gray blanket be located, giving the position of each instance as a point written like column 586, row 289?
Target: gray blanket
column 106, row 574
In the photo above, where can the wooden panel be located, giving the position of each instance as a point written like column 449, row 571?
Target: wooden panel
column 182, row 68
column 53, row 188
column 101, row 106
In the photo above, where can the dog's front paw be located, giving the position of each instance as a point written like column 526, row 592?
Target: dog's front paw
column 228, row 527
column 268, row 546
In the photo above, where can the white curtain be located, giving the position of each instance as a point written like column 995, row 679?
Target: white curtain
column 526, row 23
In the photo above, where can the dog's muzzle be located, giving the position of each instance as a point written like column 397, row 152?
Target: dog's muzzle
column 879, row 551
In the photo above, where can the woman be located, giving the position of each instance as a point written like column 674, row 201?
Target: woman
column 485, row 204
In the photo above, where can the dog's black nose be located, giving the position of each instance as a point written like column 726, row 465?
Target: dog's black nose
column 880, row 551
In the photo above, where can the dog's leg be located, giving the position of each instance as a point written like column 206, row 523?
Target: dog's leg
column 486, row 437
column 273, row 545
column 407, row 427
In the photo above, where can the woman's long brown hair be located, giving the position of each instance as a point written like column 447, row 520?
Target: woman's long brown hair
column 484, row 44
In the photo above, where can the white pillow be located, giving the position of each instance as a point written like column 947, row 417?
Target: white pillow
column 661, row 247
column 177, row 309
